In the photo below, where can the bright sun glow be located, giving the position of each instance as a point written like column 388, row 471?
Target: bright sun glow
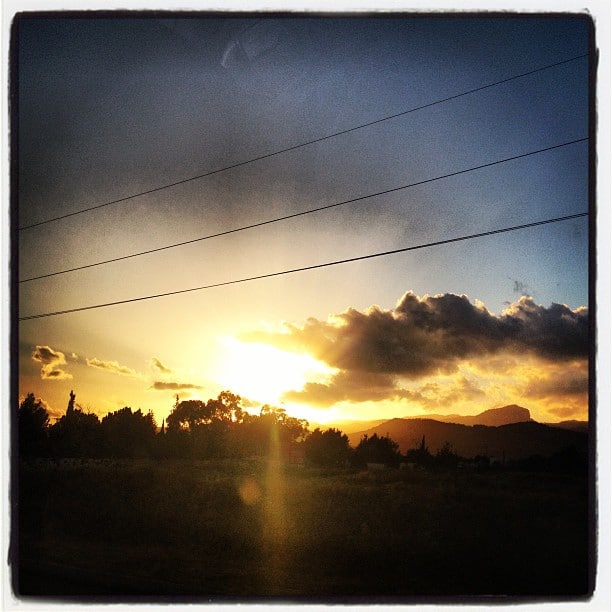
column 262, row 373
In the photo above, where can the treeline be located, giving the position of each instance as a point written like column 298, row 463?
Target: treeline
column 194, row 429
column 221, row 428
column 216, row 428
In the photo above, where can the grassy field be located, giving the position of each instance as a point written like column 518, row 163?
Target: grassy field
column 249, row 530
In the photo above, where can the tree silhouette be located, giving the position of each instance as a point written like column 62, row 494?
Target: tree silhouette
column 204, row 429
column 446, row 457
column 76, row 434
column 420, row 455
column 226, row 408
column 328, row 448
column 128, row 434
column 33, row 420
column 187, row 416
column 375, row 449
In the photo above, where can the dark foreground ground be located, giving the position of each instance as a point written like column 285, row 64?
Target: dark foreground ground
column 247, row 531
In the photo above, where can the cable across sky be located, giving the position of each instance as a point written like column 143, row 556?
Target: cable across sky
column 302, row 213
column 300, row 145
column 311, row 267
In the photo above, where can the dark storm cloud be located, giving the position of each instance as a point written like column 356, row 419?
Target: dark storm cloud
column 173, row 386
column 433, row 334
column 555, row 333
column 51, row 360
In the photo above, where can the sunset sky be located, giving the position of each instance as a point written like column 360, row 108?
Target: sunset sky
column 111, row 108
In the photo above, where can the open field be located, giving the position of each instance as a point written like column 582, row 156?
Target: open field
column 249, row 530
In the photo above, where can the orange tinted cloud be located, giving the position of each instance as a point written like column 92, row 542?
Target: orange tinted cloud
column 359, row 387
column 561, row 383
column 346, row 386
column 160, row 366
column 460, row 353
column 51, row 360
column 173, row 386
column 112, row 366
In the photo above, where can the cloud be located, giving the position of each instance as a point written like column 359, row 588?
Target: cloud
column 173, row 386
column 561, row 383
column 112, row 366
column 248, row 403
column 348, row 386
column 521, row 288
column 51, row 360
column 345, row 386
column 434, row 334
column 556, row 333
column 567, row 412
column 160, row 366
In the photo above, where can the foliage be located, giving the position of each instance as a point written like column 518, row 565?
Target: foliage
column 128, row 434
column 33, row 420
column 375, row 449
column 221, row 428
column 446, row 457
column 187, row 416
column 420, row 455
column 328, row 448
column 191, row 414
column 76, row 434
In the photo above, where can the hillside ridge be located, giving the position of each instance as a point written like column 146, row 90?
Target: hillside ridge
column 508, row 441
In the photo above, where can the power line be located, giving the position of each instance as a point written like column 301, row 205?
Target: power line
column 311, row 267
column 298, row 146
column 299, row 214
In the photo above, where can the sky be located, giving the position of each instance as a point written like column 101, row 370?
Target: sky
column 111, row 108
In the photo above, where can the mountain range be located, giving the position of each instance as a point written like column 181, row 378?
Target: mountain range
column 504, row 433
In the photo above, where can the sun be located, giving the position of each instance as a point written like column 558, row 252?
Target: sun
column 262, row 373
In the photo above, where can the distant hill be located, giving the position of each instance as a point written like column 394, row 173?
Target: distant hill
column 349, row 427
column 492, row 417
column 573, row 425
column 509, row 441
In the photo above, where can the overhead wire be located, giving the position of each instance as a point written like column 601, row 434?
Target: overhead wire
column 300, row 145
column 310, row 267
column 301, row 213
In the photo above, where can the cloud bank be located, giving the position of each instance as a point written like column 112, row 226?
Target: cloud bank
column 423, row 337
column 432, row 334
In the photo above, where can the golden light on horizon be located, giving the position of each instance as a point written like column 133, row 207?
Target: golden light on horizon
column 262, row 373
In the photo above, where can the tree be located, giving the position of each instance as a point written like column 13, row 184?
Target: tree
column 375, row 449
column 127, row 433
column 420, row 455
column 290, row 429
column 191, row 414
column 273, row 430
column 446, row 457
column 187, row 415
column 33, row 420
column 226, row 408
column 328, row 448
column 76, row 434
